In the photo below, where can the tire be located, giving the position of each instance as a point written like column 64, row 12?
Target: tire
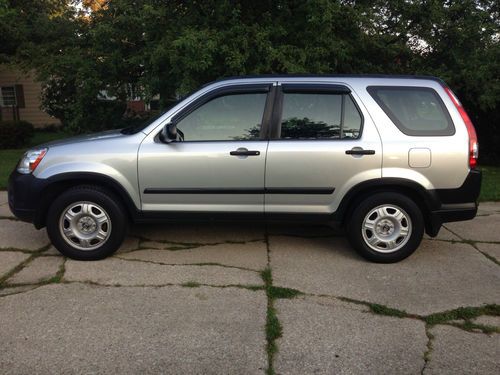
column 87, row 223
column 386, row 227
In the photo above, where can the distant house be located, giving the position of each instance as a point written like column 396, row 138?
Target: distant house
column 20, row 98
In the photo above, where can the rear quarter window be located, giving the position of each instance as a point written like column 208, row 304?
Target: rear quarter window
column 416, row 111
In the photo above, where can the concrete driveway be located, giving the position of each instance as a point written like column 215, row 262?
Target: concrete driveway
column 246, row 299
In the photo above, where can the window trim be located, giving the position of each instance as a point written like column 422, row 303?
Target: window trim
column 312, row 88
column 239, row 89
column 1, row 96
column 450, row 130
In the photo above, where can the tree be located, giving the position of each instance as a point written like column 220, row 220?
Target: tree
column 172, row 47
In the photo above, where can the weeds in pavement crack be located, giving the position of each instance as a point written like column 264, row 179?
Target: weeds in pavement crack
column 428, row 351
column 466, row 314
column 378, row 309
column 33, row 255
column 191, row 284
column 474, row 243
column 274, row 329
column 60, row 273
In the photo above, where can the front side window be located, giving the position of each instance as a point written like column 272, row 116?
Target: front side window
column 8, row 96
column 319, row 116
column 230, row 117
column 416, row 111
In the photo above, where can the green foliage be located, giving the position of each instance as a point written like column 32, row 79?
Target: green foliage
column 465, row 313
column 15, row 134
column 8, row 161
column 279, row 292
column 490, row 186
column 150, row 47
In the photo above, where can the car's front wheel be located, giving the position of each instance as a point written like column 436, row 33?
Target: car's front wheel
column 87, row 223
column 386, row 227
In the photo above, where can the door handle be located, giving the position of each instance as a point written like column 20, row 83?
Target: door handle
column 244, row 152
column 359, row 151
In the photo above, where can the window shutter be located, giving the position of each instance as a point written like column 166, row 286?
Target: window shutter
column 19, row 96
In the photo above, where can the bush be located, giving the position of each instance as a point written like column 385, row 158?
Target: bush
column 97, row 116
column 15, row 134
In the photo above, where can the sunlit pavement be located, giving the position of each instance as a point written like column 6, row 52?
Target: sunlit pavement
column 195, row 298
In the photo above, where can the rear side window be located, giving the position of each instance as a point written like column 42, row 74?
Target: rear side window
column 416, row 111
column 319, row 116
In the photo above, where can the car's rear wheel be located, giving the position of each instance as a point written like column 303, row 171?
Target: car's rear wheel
column 386, row 227
column 87, row 223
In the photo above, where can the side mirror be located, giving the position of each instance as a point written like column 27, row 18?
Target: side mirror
column 169, row 133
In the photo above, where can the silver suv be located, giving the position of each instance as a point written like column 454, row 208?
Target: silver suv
column 388, row 157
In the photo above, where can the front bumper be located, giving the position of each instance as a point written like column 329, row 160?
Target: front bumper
column 24, row 194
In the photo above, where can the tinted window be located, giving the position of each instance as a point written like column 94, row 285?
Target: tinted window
column 225, row 118
column 319, row 116
column 414, row 110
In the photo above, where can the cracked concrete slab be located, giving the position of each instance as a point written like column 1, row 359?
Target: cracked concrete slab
column 300, row 230
column 16, row 289
column 482, row 228
column 486, row 208
column 444, row 234
column 5, row 211
column 9, row 260
column 114, row 271
column 40, row 269
column 438, row 276
column 52, row 251
column 3, row 197
column 201, row 233
column 487, row 320
column 87, row 329
column 492, row 249
column 251, row 255
column 332, row 338
column 130, row 243
column 459, row 352
column 20, row 235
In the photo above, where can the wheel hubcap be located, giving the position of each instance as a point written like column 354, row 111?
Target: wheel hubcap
column 85, row 225
column 386, row 228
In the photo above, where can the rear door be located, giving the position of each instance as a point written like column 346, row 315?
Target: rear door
column 322, row 143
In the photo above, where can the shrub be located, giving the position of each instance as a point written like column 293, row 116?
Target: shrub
column 49, row 128
column 95, row 116
column 15, row 134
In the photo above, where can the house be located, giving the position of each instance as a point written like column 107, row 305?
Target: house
column 20, row 98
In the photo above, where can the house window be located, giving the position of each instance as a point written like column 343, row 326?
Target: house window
column 8, row 97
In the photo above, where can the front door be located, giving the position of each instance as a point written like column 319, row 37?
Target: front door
column 220, row 163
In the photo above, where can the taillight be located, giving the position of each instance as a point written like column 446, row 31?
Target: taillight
column 473, row 144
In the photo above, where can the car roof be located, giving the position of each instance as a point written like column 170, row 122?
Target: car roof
column 280, row 76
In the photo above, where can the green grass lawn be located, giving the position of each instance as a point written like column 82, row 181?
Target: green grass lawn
column 490, row 190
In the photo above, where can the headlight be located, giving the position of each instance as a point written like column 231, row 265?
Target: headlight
column 30, row 160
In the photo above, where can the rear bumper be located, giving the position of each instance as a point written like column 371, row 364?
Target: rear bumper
column 456, row 204
column 448, row 213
